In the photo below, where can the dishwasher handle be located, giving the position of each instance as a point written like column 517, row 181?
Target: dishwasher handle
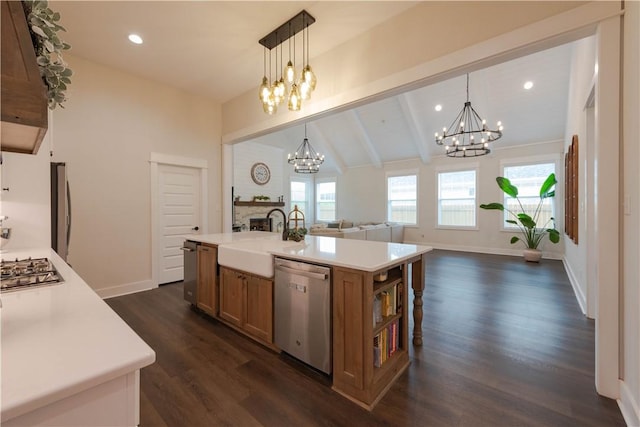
column 310, row 274
column 187, row 249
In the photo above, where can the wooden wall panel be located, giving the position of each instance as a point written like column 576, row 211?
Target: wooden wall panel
column 571, row 173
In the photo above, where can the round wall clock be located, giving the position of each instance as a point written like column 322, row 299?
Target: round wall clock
column 260, row 173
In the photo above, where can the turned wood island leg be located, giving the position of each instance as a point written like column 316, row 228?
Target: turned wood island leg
column 417, row 283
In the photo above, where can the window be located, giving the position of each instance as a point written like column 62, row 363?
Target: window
column 301, row 197
column 402, row 194
column 457, row 199
column 326, row 201
column 528, row 179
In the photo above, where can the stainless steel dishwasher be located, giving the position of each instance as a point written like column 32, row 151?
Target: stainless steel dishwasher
column 302, row 312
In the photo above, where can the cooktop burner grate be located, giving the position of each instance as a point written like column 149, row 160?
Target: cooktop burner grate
column 27, row 273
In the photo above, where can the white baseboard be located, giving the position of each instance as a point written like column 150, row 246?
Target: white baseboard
column 629, row 407
column 580, row 296
column 127, row 288
column 483, row 250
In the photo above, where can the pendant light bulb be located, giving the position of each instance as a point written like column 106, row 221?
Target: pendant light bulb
column 264, row 90
column 305, row 90
column 310, row 77
column 294, row 98
column 270, row 108
column 282, row 89
column 290, row 72
column 275, row 93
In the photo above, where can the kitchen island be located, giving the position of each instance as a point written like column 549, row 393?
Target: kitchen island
column 368, row 354
column 67, row 358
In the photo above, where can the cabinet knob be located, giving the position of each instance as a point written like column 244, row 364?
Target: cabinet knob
column 196, row 228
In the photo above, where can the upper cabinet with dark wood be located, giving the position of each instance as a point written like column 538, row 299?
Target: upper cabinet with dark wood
column 24, row 99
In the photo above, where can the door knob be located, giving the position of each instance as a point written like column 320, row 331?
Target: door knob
column 196, row 228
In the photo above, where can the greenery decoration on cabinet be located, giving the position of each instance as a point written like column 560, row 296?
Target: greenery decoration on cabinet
column 44, row 27
column 532, row 235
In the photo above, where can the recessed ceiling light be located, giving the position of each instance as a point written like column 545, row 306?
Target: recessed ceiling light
column 528, row 85
column 438, row 107
column 134, row 38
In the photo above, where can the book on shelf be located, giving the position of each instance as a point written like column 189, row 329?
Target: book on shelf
column 386, row 343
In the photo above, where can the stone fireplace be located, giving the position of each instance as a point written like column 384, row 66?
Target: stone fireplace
column 244, row 212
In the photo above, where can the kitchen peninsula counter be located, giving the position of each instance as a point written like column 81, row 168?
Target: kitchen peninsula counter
column 361, row 255
column 369, row 351
column 66, row 356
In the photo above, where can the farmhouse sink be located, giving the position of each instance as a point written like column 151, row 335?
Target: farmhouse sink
column 253, row 256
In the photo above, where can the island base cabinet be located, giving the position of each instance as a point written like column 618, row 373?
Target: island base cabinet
column 259, row 312
column 231, row 296
column 246, row 302
column 360, row 373
column 207, row 279
column 113, row 403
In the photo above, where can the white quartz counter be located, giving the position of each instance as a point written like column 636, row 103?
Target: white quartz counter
column 362, row 255
column 60, row 340
column 222, row 238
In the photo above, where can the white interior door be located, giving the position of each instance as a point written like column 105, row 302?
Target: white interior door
column 179, row 204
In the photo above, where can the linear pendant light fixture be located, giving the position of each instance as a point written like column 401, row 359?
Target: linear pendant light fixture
column 468, row 135
column 305, row 159
column 292, row 87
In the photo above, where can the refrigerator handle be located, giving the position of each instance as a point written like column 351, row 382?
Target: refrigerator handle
column 68, row 219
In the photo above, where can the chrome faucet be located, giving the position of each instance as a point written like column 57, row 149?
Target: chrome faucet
column 285, row 230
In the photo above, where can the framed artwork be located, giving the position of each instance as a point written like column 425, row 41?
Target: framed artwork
column 571, row 164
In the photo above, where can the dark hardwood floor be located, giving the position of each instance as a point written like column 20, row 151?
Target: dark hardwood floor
column 505, row 344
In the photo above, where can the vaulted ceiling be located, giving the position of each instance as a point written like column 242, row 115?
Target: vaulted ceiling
column 403, row 126
column 211, row 48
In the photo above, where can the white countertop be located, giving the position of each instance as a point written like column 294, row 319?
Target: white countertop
column 362, row 255
column 222, row 238
column 59, row 340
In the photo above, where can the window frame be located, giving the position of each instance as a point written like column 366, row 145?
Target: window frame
column 317, row 182
column 468, row 167
column 397, row 173
column 309, row 216
column 530, row 161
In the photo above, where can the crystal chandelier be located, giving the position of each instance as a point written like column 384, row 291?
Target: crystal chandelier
column 305, row 159
column 468, row 135
column 292, row 87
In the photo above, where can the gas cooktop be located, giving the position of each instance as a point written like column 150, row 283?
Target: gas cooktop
column 27, row 273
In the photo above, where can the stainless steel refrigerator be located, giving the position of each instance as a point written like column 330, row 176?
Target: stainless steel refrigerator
column 60, row 210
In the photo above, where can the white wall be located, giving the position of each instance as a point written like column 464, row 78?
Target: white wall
column 362, row 197
column 27, row 202
column 581, row 84
column 105, row 133
column 630, row 296
column 245, row 155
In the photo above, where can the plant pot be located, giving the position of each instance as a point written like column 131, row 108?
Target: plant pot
column 532, row 255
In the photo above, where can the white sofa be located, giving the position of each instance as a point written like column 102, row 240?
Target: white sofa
column 379, row 232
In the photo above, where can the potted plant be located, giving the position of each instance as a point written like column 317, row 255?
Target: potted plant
column 297, row 234
column 532, row 235
column 44, row 25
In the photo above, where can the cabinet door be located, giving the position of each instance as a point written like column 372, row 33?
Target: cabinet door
column 231, row 296
column 207, row 279
column 259, row 314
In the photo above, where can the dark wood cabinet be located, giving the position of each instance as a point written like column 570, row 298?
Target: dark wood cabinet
column 23, row 98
